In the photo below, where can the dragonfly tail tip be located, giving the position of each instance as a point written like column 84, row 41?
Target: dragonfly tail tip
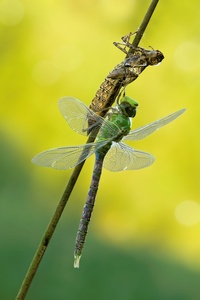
column 76, row 261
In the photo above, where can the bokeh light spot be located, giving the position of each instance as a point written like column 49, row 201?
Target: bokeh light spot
column 45, row 73
column 188, row 212
column 11, row 12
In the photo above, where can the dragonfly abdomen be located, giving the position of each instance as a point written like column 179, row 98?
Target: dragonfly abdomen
column 88, row 208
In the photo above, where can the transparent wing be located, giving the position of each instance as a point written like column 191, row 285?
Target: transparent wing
column 122, row 157
column 66, row 157
column 76, row 113
column 144, row 131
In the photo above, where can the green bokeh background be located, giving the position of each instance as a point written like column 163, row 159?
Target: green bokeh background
column 143, row 241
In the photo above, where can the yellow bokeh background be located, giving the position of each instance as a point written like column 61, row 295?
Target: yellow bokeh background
column 51, row 49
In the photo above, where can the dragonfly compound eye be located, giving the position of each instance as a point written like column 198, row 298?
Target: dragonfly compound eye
column 128, row 106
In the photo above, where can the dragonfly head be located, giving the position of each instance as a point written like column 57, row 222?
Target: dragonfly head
column 128, row 106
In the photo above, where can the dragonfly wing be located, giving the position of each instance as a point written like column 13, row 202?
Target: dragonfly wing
column 66, row 157
column 76, row 113
column 144, row 131
column 122, row 157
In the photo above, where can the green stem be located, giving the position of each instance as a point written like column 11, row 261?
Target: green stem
column 50, row 230
column 61, row 205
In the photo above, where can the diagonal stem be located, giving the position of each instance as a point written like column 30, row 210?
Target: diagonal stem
column 143, row 25
column 65, row 197
column 50, row 230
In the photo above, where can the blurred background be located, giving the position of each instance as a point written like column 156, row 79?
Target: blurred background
column 143, row 240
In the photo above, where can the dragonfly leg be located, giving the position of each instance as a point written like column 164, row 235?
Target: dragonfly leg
column 122, row 93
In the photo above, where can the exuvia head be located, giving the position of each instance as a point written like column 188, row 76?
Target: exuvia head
column 155, row 57
column 128, row 106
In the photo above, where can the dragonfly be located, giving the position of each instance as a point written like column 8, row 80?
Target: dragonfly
column 109, row 149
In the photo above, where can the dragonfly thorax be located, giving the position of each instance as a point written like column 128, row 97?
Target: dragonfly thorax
column 123, row 123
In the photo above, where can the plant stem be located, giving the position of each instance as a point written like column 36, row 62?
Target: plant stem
column 61, row 205
column 50, row 230
column 144, row 24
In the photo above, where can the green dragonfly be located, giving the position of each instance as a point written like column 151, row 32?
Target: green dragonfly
column 110, row 152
